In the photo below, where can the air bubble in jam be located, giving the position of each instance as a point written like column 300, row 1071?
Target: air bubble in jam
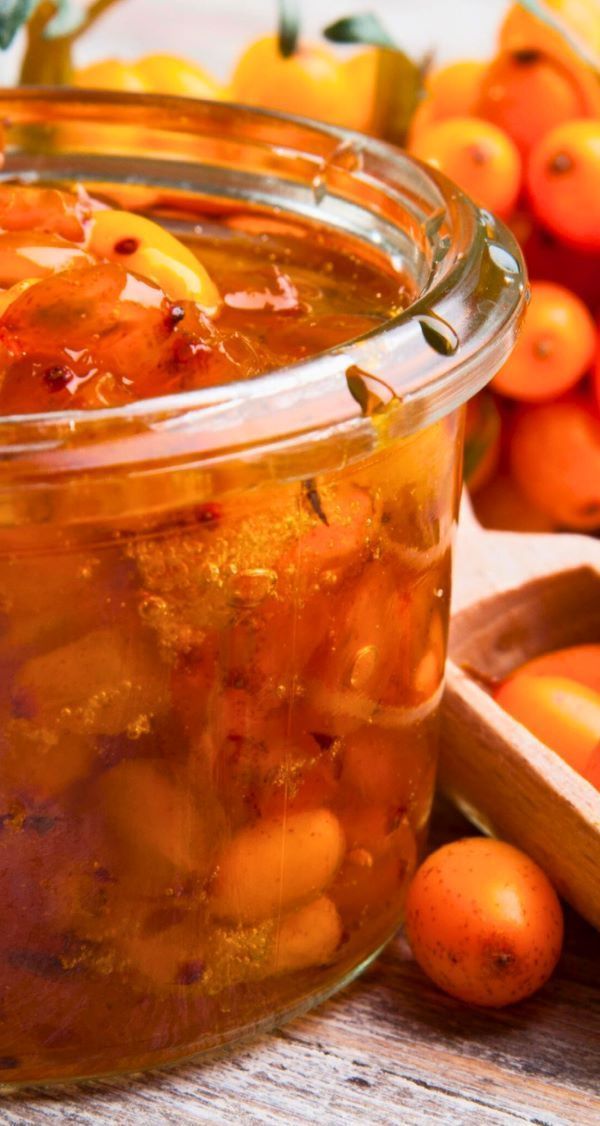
column 220, row 685
column 438, row 333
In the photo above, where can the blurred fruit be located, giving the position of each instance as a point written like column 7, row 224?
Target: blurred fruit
column 526, row 94
column 555, row 460
column 484, row 922
column 482, row 441
column 482, row 160
column 522, row 30
column 110, row 74
column 560, row 712
column 563, row 180
column 361, row 74
column 501, row 505
column 577, row 662
column 548, row 259
column 169, row 74
column 453, row 90
column 311, row 82
column 556, row 347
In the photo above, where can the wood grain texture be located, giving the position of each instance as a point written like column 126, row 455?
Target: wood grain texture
column 521, row 596
column 390, row 1049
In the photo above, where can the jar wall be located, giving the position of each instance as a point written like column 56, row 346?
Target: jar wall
column 217, row 754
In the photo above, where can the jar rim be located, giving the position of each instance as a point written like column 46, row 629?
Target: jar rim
column 430, row 357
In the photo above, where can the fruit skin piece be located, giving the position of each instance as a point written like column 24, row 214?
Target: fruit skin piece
column 527, row 94
column 560, row 712
column 478, row 156
column 555, row 460
column 563, row 183
column 484, row 922
column 312, row 82
column 576, row 662
column 554, row 350
column 274, row 865
column 145, row 248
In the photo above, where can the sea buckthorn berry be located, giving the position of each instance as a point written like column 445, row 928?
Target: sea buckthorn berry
column 563, row 181
column 592, row 771
column 522, row 30
column 311, row 82
column 168, row 74
column 53, row 212
column 526, row 94
column 484, row 922
column 577, row 662
column 307, row 937
column 560, row 712
column 555, row 460
column 275, row 865
column 110, row 74
column 147, row 249
column 453, row 90
column 556, row 347
column 482, row 160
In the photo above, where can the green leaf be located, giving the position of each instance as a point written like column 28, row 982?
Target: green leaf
column 399, row 80
column 398, row 92
column 68, row 18
column 364, row 27
column 539, row 9
column 13, row 14
column 289, row 27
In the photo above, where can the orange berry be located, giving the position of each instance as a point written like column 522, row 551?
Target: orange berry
column 555, row 460
column 478, row 156
column 522, row 30
column 563, row 180
column 361, row 75
column 168, row 74
column 110, row 74
column 576, row 662
column 526, row 94
column 484, row 922
column 501, row 505
column 560, row 712
column 555, row 348
column 453, row 90
column 312, row 82
column 592, row 771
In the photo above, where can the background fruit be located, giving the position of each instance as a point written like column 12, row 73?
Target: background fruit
column 482, row 160
column 556, row 346
column 563, row 181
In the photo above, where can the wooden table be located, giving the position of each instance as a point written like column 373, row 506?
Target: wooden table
column 388, row 1049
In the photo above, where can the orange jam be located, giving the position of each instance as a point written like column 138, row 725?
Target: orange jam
column 218, row 712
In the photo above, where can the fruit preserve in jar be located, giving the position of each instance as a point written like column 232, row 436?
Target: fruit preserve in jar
column 233, row 354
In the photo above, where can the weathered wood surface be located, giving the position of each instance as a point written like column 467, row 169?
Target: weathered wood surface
column 390, row 1049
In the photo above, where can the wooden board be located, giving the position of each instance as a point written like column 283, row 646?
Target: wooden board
column 390, row 1049
column 518, row 596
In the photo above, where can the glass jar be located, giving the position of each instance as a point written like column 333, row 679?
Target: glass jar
column 225, row 611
